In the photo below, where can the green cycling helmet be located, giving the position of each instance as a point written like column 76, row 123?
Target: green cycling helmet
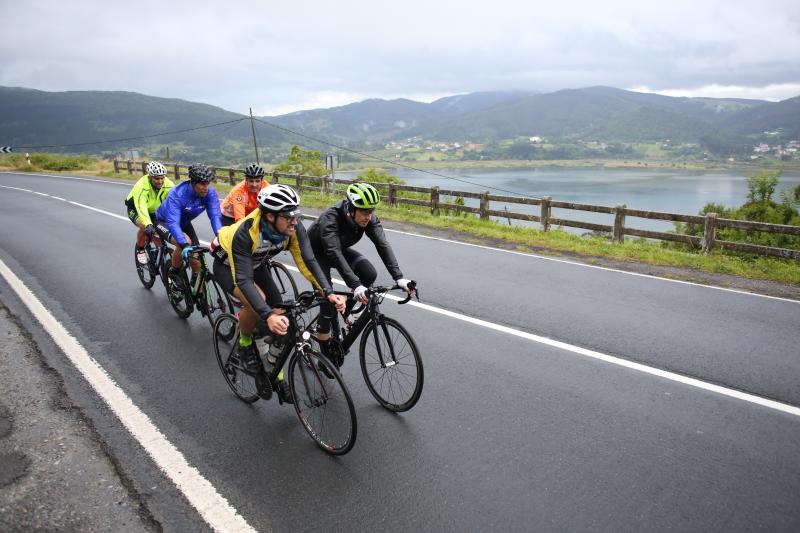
column 363, row 196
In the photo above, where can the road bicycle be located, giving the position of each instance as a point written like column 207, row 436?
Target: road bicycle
column 156, row 253
column 201, row 291
column 389, row 357
column 320, row 397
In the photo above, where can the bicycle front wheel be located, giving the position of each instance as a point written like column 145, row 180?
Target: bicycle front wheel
column 284, row 281
column 180, row 299
column 145, row 272
column 322, row 403
column 226, row 331
column 391, row 364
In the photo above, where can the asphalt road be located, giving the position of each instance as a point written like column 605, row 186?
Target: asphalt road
column 510, row 434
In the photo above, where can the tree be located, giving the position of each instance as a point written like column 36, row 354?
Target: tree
column 762, row 185
column 305, row 162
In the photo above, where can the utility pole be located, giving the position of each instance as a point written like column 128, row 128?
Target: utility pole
column 253, row 127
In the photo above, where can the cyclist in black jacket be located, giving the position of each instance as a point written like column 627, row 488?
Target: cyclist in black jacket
column 333, row 234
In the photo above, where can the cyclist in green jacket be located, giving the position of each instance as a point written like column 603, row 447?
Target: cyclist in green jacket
column 142, row 202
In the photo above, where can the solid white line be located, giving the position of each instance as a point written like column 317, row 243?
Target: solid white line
column 585, row 265
column 67, row 177
column 201, row 494
column 568, row 347
column 672, row 376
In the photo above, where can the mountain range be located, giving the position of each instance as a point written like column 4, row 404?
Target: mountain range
column 75, row 120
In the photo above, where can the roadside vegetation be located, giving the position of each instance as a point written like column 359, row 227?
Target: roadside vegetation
column 761, row 206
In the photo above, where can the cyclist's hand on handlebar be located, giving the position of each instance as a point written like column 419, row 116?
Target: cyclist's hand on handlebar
column 186, row 251
column 360, row 293
column 404, row 284
column 339, row 301
column 278, row 324
column 149, row 229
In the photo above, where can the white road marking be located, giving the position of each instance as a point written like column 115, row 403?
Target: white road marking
column 534, row 256
column 201, row 494
column 585, row 265
column 672, row 376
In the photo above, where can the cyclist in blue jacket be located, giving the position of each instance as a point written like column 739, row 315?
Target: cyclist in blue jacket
column 182, row 205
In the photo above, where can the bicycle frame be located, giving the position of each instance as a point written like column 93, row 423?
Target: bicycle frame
column 370, row 315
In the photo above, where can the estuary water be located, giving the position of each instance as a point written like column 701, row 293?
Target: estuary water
column 672, row 191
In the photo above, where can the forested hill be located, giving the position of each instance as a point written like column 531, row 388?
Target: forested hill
column 36, row 118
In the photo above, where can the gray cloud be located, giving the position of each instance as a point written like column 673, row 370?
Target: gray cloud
column 242, row 54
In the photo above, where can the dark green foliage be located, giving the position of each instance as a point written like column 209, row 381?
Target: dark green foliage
column 760, row 207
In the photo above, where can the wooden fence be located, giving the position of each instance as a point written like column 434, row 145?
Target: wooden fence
column 710, row 222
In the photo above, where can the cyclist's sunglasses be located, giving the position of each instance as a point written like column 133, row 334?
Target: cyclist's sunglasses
column 291, row 216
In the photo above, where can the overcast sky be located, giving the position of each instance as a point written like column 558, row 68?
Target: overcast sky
column 303, row 55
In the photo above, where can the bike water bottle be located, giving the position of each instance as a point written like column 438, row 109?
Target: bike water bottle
column 275, row 349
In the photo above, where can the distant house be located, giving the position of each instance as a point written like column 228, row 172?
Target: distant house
column 535, row 139
column 762, row 148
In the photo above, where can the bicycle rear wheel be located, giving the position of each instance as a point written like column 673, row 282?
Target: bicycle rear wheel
column 391, row 365
column 241, row 383
column 216, row 301
column 322, row 404
column 284, row 281
column 146, row 273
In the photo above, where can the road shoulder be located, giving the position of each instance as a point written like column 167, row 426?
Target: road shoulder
column 54, row 472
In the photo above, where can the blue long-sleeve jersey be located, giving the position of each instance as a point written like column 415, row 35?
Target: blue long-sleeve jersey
column 183, row 205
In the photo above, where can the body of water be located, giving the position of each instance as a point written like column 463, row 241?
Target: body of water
column 672, row 191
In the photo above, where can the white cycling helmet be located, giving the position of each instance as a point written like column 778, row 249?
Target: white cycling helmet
column 155, row 169
column 278, row 198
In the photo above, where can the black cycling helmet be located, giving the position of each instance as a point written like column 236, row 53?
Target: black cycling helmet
column 200, row 174
column 253, row 171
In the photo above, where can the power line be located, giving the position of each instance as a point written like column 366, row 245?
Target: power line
column 393, row 163
column 134, row 138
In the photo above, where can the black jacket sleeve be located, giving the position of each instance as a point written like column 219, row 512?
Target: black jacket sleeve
column 307, row 255
column 332, row 247
column 378, row 237
column 241, row 261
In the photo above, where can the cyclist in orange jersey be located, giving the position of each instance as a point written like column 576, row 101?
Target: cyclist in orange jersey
column 241, row 201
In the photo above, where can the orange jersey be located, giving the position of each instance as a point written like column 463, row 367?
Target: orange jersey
column 240, row 201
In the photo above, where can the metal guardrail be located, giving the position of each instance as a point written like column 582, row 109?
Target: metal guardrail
column 618, row 229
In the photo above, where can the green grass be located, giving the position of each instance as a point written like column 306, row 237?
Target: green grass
column 556, row 242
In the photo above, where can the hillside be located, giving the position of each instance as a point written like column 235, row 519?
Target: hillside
column 42, row 119
column 35, row 118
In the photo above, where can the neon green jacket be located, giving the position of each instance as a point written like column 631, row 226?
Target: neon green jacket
column 146, row 200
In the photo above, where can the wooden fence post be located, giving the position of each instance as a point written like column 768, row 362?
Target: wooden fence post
column 393, row 195
column 144, row 167
column 619, row 223
column 326, row 186
column 130, row 166
column 545, row 214
column 232, row 176
column 435, row 201
column 116, row 166
column 484, row 205
column 709, row 233
column 299, row 181
column 177, row 172
column 274, row 177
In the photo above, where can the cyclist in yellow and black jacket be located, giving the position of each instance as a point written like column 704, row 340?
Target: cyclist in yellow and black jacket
column 242, row 268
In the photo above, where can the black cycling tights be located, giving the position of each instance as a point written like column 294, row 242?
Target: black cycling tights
column 362, row 268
